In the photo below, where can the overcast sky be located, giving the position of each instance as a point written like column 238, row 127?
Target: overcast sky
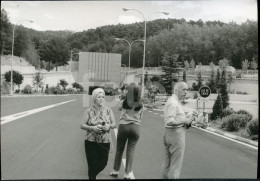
column 84, row 15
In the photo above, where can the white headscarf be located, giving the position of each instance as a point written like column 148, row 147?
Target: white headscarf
column 96, row 91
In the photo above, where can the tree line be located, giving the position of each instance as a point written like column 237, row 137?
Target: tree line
column 198, row 41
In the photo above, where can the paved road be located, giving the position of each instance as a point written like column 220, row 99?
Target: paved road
column 49, row 145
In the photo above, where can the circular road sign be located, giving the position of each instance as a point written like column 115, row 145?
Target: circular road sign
column 204, row 91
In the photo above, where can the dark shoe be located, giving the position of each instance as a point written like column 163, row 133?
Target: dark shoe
column 114, row 174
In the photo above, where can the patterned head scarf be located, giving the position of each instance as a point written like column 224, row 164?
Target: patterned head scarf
column 95, row 93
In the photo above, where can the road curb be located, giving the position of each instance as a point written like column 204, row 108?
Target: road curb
column 238, row 138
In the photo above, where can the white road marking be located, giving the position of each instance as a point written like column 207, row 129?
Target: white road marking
column 124, row 160
column 13, row 117
column 155, row 113
column 227, row 138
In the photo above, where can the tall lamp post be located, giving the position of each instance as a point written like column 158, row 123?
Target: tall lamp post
column 11, row 91
column 165, row 13
column 130, row 46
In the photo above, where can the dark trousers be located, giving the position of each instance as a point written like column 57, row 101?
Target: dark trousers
column 126, row 133
column 97, row 156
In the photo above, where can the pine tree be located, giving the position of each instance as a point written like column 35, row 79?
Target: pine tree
column 184, row 76
column 195, row 86
column 217, row 108
column 199, row 80
column 145, row 77
column 170, row 63
column 224, row 90
column 217, row 81
column 211, row 82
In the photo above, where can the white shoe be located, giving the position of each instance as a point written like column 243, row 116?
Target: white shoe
column 127, row 176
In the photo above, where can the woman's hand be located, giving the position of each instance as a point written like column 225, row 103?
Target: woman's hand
column 106, row 127
column 97, row 128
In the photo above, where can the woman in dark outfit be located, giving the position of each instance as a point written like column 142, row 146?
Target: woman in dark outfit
column 97, row 121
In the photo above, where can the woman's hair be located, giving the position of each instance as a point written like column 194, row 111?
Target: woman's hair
column 132, row 99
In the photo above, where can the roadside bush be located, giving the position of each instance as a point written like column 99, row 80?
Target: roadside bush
column 227, row 111
column 235, row 122
column 63, row 83
column 195, row 95
column 27, row 89
column 5, row 88
column 155, row 79
column 240, row 92
column 55, row 90
column 47, row 90
column 194, row 86
column 253, row 127
column 17, row 90
column 71, row 91
column 245, row 112
column 239, row 75
column 146, row 100
column 78, row 86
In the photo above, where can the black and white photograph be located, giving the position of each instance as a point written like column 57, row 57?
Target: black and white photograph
column 122, row 90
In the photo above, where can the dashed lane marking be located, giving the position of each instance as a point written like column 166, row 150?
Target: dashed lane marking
column 13, row 117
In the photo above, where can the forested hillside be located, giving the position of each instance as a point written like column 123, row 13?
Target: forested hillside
column 204, row 42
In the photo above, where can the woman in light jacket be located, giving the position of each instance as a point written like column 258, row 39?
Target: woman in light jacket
column 129, row 129
column 97, row 121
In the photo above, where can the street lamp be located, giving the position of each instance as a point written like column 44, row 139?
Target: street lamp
column 165, row 13
column 11, row 91
column 130, row 45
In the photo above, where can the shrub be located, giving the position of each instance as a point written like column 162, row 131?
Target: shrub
column 63, row 83
column 17, row 77
column 227, row 111
column 235, row 122
column 78, row 86
column 195, row 95
column 252, row 127
column 17, row 90
column 71, row 91
column 245, row 112
column 240, row 92
column 194, row 86
column 254, row 137
column 27, row 89
column 146, row 100
column 55, row 90
column 155, row 79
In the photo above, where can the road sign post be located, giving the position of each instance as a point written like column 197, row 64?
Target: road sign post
column 204, row 92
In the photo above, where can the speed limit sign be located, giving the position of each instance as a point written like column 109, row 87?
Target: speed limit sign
column 204, row 91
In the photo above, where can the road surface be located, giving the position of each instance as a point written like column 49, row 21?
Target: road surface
column 45, row 141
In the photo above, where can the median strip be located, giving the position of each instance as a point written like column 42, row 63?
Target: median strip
column 13, row 117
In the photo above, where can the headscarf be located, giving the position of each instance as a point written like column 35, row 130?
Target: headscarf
column 95, row 93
